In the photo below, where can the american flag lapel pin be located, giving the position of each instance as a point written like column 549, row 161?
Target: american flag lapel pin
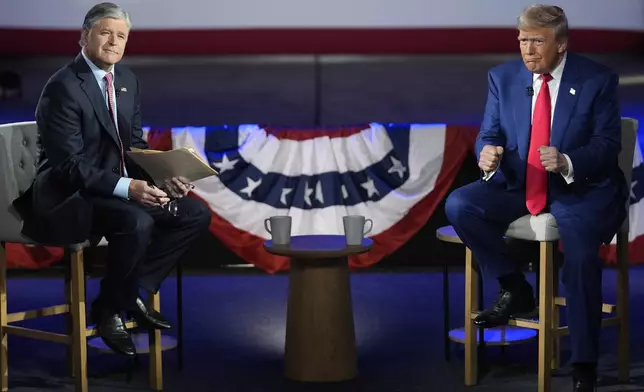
column 572, row 91
column 123, row 90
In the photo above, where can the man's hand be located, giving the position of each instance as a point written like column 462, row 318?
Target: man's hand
column 553, row 161
column 490, row 157
column 143, row 193
column 177, row 187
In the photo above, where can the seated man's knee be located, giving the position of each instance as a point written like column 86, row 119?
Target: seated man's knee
column 139, row 225
column 198, row 212
column 456, row 204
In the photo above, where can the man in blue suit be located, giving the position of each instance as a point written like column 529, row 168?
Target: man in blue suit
column 549, row 142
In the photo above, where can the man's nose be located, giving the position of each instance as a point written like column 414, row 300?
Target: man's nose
column 530, row 48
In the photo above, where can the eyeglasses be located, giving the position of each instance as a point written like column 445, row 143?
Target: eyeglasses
column 171, row 207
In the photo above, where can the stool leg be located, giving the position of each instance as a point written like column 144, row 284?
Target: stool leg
column 480, row 303
column 77, row 310
column 179, row 316
column 556, row 339
column 446, row 342
column 471, row 304
column 69, row 352
column 156, row 368
column 4, row 366
column 623, row 334
column 546, row 300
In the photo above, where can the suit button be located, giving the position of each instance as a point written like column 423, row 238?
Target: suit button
column 115, row 169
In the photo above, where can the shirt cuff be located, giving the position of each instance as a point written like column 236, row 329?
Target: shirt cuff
column 488, row 175
column 122, row 188
column 570, row 177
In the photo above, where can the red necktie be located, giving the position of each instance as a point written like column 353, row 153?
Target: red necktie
column 536, row 176
column 110, row 103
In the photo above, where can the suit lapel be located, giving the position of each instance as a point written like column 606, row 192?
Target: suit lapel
column 93, row 92
column 123, row 125
column 566, row 102
column 522, row 109
column 122, row 111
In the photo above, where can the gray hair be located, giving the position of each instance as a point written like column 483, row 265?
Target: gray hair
column 101, row 11
column 541, row 15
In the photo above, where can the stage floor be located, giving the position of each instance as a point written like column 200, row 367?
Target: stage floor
column 234, row 325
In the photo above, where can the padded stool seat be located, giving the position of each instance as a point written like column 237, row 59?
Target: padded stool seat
column 542, row 227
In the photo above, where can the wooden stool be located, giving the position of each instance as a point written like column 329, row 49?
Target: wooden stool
column 499, row 336
column 78, row 336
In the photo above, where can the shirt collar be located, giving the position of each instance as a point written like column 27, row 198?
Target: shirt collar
column 98, row 73
column 557, row 72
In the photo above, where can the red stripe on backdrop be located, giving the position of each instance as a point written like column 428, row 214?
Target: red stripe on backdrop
column 32, row 257
column 608, row 253
column 249, row 247
column 319, row 41
column 306, row 134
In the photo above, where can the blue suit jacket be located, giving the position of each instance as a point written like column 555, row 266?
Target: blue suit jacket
column 586, row 126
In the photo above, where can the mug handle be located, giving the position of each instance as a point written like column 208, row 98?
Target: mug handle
column 370, row 226
column 266, row 221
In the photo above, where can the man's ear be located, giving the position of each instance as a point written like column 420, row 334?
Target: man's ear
column 562, row 46
column 83, row 38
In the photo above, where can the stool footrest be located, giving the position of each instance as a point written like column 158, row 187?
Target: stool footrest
column 36, row 313
column 36, row 334
column 533, row 323
column 606, row 308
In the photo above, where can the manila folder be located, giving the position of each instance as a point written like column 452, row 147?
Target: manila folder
column 163, row 165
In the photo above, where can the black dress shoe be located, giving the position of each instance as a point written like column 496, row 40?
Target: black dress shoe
column 148, row 318
column 584, row 384
column 507, row 305
column 112, row 331
column 584, row 377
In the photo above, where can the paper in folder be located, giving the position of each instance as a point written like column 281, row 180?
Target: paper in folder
column 163, row 165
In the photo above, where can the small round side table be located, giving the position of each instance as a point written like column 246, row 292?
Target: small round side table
column 320, row 335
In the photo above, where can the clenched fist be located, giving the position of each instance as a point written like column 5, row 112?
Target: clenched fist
column 490, row 157
column 552, row 160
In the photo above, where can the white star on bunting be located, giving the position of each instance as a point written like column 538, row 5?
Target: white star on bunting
column 319, row 195
column 285, row 192
column 397, row 167
column 250, row 187
column 225, row 164
column 307, row 194
column 370, row 187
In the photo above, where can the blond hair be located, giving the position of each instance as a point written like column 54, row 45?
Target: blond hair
column 541, row 15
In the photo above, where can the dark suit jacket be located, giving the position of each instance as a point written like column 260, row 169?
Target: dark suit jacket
column 586, row 126
column 79, row 151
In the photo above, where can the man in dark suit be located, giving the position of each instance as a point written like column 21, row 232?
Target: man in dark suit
column 88, row 117
column 549, row 142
